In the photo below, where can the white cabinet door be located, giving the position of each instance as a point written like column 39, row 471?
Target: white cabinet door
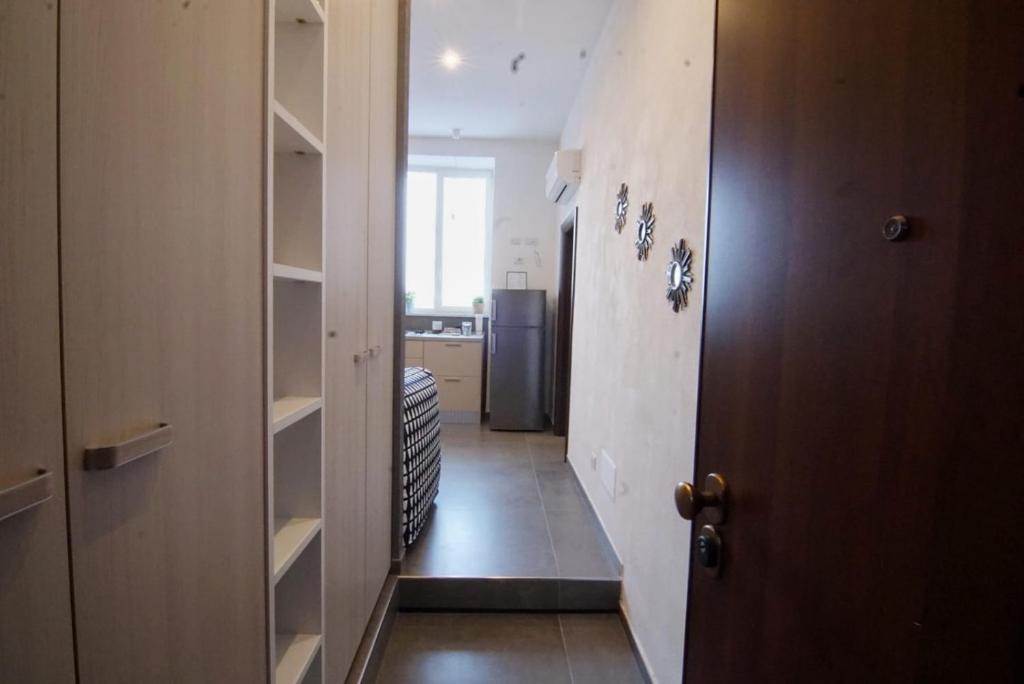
column 162, row 209
column 35, row 603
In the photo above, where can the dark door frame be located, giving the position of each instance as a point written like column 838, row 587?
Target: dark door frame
column 564, row 323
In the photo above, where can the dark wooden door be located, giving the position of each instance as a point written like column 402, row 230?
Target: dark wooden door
column 563, row 325
column 862, row 397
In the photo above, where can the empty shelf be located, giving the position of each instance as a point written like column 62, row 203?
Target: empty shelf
column 303, row 11
column 291, row 136
column 291, row 537
column 295, row 653
column 290, row 410
column 303, row 275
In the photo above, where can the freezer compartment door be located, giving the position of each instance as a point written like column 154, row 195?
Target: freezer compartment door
column 518, row 308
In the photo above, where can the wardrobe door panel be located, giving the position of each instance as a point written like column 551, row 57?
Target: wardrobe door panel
column 162, row 115
column 381, row 294
column 347, row 360
column 35, row 603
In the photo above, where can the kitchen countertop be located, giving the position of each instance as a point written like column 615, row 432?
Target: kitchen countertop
column 475, row 337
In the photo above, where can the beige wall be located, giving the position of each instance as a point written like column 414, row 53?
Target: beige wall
column 642, row 117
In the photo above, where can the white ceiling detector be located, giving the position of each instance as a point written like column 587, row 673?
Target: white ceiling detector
column 499, row 68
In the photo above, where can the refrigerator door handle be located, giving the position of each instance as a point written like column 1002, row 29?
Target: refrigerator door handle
column 494, row 343
column 494, row 310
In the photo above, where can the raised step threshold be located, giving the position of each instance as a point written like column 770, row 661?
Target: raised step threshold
column 508, row 593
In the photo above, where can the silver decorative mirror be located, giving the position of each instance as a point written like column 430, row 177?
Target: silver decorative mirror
column 680, row 278
column 621, row 207
column 644, row 232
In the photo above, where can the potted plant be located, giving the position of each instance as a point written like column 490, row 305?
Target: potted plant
column 478, row 305
column 410, row 299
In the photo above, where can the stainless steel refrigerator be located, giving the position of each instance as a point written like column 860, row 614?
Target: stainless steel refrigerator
column 517, row 359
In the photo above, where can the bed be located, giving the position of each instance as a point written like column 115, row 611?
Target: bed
column 421, row 451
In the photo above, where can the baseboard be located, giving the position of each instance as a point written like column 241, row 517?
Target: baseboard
column 540, row 594
column 375, row 639
column 638, row 652
column 597, row 515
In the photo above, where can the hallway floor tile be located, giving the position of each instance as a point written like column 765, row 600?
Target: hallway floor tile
column 485, row 648
column 509, row 506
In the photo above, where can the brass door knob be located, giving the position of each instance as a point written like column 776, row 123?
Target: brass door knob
column 690, row 501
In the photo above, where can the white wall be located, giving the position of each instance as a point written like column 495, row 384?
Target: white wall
column 521, row 211
column 642, row 117
column 520, row 208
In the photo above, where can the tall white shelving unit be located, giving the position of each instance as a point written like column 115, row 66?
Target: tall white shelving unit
column 295, row 329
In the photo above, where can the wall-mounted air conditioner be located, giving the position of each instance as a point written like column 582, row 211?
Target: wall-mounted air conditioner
column 564, row 174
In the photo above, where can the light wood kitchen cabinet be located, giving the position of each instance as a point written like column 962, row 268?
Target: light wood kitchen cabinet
column 457, row 366
column 35, row 601
column 462, row 359
column 413, row 353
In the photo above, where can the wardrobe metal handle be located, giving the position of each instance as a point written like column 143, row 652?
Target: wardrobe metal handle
column 450, row 344
column 359, row 357
column 117, row 455
column 25, row 494
column 452, row 379
column 375, row 351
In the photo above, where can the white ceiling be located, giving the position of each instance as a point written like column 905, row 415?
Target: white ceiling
column 482, row 96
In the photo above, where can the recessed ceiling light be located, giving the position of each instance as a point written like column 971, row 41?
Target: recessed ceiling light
column 451, row 60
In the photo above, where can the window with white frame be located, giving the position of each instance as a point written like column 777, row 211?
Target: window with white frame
column 447, row 227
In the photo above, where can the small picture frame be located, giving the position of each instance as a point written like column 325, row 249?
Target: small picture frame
column 515, row 280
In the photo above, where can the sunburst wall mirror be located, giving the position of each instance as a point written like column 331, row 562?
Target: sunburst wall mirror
column 644, row 232
column 680, row 277
column 621, row 207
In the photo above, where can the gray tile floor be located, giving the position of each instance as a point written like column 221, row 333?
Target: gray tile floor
column 509, row 506
column 479, row 648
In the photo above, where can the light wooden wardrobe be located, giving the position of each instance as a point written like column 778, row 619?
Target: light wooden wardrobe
column 131, row 295
column 196, row 337
column 35, row 600
column 332, row 75
column 161, row 243
column 361, row 134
